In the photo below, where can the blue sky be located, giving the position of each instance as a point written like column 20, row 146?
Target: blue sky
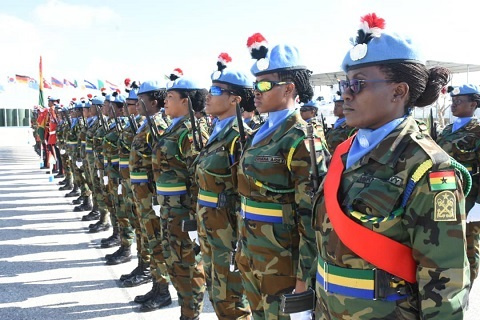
column 145, row 39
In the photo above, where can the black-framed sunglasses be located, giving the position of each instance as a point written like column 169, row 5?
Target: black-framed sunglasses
column 217, row 91
column 356, row 85
column 265, row 85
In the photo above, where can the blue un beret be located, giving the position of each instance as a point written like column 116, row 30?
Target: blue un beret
column 374, row 46
column 281, row 57
column 149, row 86
column 98, row 100
column 185, row 83
column 51, row 98
column 466, row 89
column 132, row 95
column 311, row 104
column 118, row 98
column 229, row 75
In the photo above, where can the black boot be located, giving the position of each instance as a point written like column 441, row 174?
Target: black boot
column 99, row 226
column 66, row 186
column 147, row 296
column 134, row 272
column 63, row 182
column 160, row 299
column 59, row 176
column 112, row 241
column 78, row 200
column 92, row 215
column 85, row 206
column 138, row 276
column 74, row 193
column 122, row 255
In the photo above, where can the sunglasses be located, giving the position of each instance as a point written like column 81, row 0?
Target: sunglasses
column 305, row 109
column 356, row 85
column 264, row 85
column 217, row 91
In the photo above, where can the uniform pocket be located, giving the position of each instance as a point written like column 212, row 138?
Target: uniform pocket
column 379, row 198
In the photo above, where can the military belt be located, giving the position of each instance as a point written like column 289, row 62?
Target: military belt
column 211, row 199
column 261, row 211
column 138, row 177
column 370, row 284
column 171, row 189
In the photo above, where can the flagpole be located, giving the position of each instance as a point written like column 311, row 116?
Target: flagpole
column 40, row 87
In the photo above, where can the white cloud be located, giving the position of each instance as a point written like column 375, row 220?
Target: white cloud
column 63, row 15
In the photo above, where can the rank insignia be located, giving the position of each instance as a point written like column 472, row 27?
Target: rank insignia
column 442, row 180
column 445, row 206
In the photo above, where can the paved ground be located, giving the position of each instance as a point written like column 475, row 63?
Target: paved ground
column 51, row 268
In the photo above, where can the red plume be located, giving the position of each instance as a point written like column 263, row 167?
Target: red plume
column 373, row 21
column 74, row 99
column 103, row 89
column 178, row 72
column 127, row 81
column 90, row 96
column 118, row 91
column 256, row 40
column 224, row 58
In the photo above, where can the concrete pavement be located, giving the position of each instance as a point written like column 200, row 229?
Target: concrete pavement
column 51, row 268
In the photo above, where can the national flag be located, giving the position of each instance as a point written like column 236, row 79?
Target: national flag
column 442, row 180
column 22, row 79
column 46, row 84
column 101, row 84
column 68, row 83
column 41, row 85
column 112, row 86
column 11, row 79
column 33, row 84
column 89, row 85
column 42, row 122
column 57, row 83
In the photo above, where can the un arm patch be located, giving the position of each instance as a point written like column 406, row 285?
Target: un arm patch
column 445, row 206
column 442, row 180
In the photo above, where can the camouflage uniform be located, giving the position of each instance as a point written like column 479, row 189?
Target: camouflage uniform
column 142, row 182
column 335, row 136
column 255, row 122
column 176, row 192
column 90, row 163
column 276, row 237
column 464, row 146
column 373, row 188
column 73, row 150
column 100, row 191
column 128, row 204
column 85, row 181
column 216, row 175
column 111, row 162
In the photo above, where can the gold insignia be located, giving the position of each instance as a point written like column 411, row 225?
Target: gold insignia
column 445, row 206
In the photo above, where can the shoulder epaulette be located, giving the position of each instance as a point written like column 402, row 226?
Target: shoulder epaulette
column 440, row 159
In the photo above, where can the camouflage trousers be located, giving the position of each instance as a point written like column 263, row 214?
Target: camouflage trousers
column 89, row 179
column 267, row 261
column 186, row 272
column 143, row 251
column 227, row 291
column 151, row 230
column 80, row 180
column 99, row 190
column 472, row 238
column 67, row 167
column 120, row 217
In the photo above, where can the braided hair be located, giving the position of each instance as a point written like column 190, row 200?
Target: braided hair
column 197, row 96
column 301, row 79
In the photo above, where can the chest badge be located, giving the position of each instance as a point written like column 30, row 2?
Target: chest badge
column 445, row 206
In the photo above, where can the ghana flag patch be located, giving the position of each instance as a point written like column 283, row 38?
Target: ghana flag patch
column 442, row 180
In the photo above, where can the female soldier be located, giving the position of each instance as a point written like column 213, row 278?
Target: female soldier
column 150, row 101
column 174, row 172
column 461, row 140
column 340, row 131
column 216, row 178
column 276, row 237
column 390, row 221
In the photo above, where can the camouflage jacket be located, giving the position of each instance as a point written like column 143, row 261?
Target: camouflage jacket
column 255, row 122
column 98, row 137
column 62, row 130
column 82, row 141
column 111, row 159
column 72, row 138
column 141, row 148
column 336, row 136
column 276, row 170
column 91, row 130
column 464, row 146
column 173, row 167
column 215, row 165
column 125, row 146
column 375, row 186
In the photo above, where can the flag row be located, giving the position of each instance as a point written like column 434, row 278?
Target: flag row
column 61, row 83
